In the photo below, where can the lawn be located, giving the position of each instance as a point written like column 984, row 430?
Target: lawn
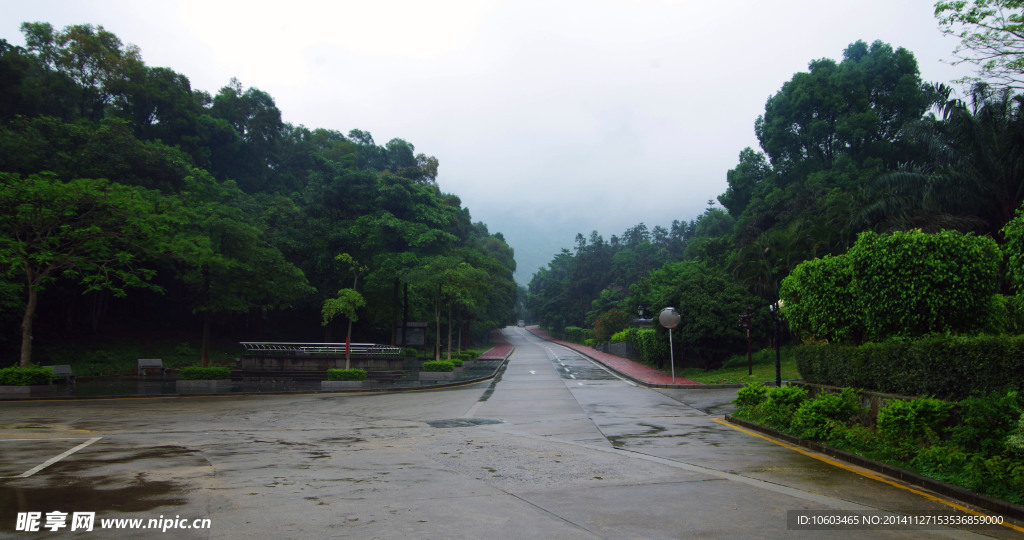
column 734, row 370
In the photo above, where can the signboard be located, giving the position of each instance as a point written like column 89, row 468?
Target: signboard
column 416, row 335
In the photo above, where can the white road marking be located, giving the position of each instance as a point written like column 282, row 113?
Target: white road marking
column 52, row 460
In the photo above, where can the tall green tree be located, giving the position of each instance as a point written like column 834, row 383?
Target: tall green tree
column 91, row 231
column 991, row 36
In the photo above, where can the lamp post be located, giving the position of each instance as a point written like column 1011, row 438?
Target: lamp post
column 776, row 316
column 669, row 318
column 745, row 322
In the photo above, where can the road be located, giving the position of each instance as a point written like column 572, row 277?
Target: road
column 555, row 447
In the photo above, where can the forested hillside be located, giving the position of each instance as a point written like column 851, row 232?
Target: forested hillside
column 860, row 144
column 133, row 204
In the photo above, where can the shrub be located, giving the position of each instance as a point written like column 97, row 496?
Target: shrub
column 912, row 284
column 751, row 395
column 827, row 415
column 410, row 352
column 1015, row 442
column 438, row 365
column 26, row 376
column 646, row 341
column 906, row 425
column 819, row 302
column 457, row 362
column 576, row 334
column 354, row 374
column 610, row 323
column 948, row 367
column 779, row 406
column 199, row 373
column 619, row 337
column 986, row 423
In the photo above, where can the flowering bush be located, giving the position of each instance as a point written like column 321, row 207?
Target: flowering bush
column 614, row 320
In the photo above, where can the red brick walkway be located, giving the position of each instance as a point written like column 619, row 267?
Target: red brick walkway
column 623, row 366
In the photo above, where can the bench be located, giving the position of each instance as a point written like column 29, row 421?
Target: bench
column 146, row 364
column 63, row 372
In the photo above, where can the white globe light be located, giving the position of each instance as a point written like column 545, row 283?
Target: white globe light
column 669, row 317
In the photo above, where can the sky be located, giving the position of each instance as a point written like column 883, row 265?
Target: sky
column 549, row 118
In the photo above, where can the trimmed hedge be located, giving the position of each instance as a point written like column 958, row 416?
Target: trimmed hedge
column 27, row 376
column 354, row 374
column 438, row 365
column 199, row 373
column 950, row 368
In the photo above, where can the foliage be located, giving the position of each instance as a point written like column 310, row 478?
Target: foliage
column 653, row 347
column 352, row 374
column 438, row 365
column 26, row 375
column 780, row 406
column 345, row 304
column 826, row 415
column 620, row 336
column 986, row 422
column 946, row 367
column 990, row 33
column 410, row 352
column 818, row 302
column 221, row 202
column 1013, row 232
column 576, row 334
column 751, row 395
column 611, row 322
column 204, row 373
column 908, row 425
column 904, row 284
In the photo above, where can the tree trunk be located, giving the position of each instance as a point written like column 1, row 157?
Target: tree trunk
column 348, row 341
column 449, row 330
column 26, row 327
column 437, row 323
column 204, row 355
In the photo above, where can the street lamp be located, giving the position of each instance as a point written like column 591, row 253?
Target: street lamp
column 777, row 317
column 669, row 318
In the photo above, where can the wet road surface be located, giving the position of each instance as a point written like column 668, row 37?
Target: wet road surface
column 554, row 447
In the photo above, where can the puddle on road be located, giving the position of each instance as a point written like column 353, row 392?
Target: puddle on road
column 84, row 496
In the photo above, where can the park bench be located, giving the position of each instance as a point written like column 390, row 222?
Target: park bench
column 63, row 372
column 146, row 364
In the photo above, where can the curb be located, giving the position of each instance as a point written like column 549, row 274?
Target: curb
column 1004, row 508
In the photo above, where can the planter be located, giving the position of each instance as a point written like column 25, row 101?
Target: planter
column 437, row 375
column 340, row 385
column 27, row 390
column 183, row 386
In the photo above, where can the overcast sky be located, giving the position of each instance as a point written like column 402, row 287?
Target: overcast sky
column 548, row 117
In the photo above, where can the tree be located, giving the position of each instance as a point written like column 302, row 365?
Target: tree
column 347, row 301
column 449, row 279
column 89, row 230
column 225, row 259
column 991, row 36
column 345, row 304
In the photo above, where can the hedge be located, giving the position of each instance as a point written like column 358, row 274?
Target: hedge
column 438, row 366
column 950, row 368
column 26, row 376
column 198, row 373
column 354, row 374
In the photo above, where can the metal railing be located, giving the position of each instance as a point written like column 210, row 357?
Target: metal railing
column 306, row 349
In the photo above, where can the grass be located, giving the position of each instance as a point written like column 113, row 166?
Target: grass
column 734, row 370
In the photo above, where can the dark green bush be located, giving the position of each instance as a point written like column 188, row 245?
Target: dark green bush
column 457, row 362
column 410, row 352
column 948, row 367
column 25, row 376
column 646, row 341
column 780, row 405
column 576, row 334
column 199, row 373
column 751, row 395
column 354, row 374
column 906, row 426
column 826, row 416
column 438, row 365
column 986, row 423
